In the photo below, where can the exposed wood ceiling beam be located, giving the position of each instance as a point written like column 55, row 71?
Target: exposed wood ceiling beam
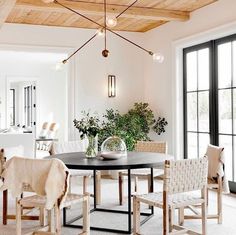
column 5, row 8
column 89, row 8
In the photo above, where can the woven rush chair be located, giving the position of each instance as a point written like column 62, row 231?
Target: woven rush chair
column 77, row 146
column 216, row 181
column 180, row 177
column 51, row 180
column 143, row 146
column 26, row 188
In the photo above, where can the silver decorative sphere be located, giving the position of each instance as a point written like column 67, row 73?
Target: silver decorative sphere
column 113, row 148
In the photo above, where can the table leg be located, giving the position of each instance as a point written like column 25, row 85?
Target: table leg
column 129, row 202
column 64, row 216
column 152, row 188
column 4, row 207
column 94, row 189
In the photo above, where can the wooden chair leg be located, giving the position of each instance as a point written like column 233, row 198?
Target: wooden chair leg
column 219, row 203
column 51, row 222
column 181, row 216
column 58, row 220
column 136, row 216
column 136, row 184
column 69, row 190
column 98, row 188
column 204, row 212
column 4, row 207
column 42, row 218
column 86, row 216
column 85, row 184
column 171, row 219
column 207, row 197
column 165, row 215
column 18, row 217
column 149, row 180
column 149, row 183
column 121, row 196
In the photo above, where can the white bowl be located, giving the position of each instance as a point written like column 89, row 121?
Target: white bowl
column 113, row 155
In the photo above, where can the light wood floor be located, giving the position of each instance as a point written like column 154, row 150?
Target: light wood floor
column 152, row 227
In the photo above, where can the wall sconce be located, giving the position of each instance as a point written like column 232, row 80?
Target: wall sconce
column 111, row 86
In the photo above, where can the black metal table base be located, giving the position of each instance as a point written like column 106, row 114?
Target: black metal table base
column 70, row 222
column 129, row 212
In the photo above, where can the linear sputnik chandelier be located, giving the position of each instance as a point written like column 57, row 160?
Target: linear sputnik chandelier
column 109, row 22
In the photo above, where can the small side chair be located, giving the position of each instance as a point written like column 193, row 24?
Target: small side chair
column 216, row 181
column 143, row 146
column 180, row 177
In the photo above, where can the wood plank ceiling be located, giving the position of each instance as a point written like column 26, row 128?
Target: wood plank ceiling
column 143, row 16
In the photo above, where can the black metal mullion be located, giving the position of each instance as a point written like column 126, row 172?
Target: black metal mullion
column 197, row 106
column 185, row 110
column 232, row 109
column 227, row 134
column 215, row 95
column 200, row 132
column 198, row 91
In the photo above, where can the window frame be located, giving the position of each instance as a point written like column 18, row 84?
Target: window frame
column 213, row 97
column 185, row 92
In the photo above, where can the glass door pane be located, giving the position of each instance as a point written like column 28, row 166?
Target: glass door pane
column 224, row 65
column 192, row 145
column 203, row 111
column 197, row 122
column 203, row 69
column 226, row 105
column 226, row 142
column 225, row 114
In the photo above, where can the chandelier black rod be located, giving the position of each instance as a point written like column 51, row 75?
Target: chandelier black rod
column 126, row 9
column 105, row 23
column 135, row 44
column 64, row 61
column 102, row 26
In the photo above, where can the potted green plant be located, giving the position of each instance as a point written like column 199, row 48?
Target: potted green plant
column 88, row 126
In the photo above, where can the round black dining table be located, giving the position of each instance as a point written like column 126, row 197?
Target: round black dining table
column 134, row 160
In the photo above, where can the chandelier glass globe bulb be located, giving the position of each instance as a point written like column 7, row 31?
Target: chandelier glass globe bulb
column 158, row 57
column 101, row 32
column 111, row 21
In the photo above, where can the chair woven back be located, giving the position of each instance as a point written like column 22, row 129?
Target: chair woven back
column 67, row 147
column 151, row 146
column 185, row 175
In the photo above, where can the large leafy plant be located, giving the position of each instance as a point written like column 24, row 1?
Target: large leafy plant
column 131, row 126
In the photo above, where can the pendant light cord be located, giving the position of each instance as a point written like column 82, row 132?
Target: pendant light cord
column 105, row 22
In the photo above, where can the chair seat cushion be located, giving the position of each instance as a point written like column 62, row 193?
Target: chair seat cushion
column 175, row 200
column 144, row 172
column 40, row 201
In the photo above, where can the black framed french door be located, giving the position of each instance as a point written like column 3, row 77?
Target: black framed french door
column 210, row 100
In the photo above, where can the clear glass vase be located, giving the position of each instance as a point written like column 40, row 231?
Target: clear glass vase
column 92, row 147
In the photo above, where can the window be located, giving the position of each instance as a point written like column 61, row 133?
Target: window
column 12, row 108
column 210, row 100
column 28, row 105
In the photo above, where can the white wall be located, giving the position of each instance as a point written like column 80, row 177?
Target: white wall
column 88, row 69
column 163, row 88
